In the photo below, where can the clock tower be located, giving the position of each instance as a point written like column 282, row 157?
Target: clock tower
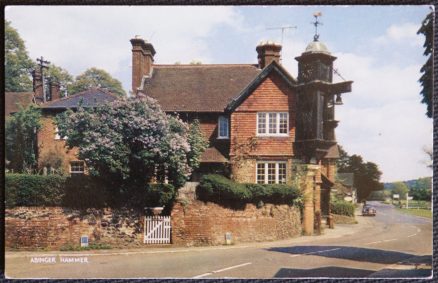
column 317, row 97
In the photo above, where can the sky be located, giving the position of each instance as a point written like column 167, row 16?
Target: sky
column 377, row 47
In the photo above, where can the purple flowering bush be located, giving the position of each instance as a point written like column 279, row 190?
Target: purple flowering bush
column 133, row 141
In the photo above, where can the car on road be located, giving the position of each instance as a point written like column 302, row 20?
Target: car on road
column 368, row 210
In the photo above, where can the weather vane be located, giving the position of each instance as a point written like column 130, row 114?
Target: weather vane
column 316, row 24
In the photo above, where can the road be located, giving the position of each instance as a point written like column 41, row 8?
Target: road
column 389, row 245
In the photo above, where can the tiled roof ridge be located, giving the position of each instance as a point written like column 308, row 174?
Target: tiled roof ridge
column 84, row 92
column 203, row 65
column 18, row 92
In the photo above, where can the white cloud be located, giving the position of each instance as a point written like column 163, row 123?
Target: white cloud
column 402, row 33
column 383, row 119
column 77, row 38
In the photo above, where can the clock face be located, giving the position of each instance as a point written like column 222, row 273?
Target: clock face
column 306, row 72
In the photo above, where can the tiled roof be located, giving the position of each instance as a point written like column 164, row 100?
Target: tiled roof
column 346, row 178
column 333, row 152
column 212, row 154
column 198, row 88
column 89, row 98
column 14, row 99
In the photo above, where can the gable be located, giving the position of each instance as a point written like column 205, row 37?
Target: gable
column 272, row 94
column 275, row 73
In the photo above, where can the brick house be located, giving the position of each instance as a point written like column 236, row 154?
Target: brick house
column 51, row 146
column 51, row 151
column 259, row 120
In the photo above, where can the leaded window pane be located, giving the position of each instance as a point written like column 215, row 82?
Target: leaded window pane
column 283, row 123
column 271, row 173
column 281, row 173
column 223, row 127
column 261, row 173
column 272, row 123
column 261, row 121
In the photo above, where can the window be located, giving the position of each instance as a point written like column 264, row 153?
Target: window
column 223, row 128
column 271, row 172
column 77, row 167
column 272, row 124
column 57, row 136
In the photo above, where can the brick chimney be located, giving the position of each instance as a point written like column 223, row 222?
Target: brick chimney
column 142, row 60
column 38, row 87
column 55, row 92
column 268, row 51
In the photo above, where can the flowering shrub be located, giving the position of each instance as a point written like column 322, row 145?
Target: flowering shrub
column 131, row 140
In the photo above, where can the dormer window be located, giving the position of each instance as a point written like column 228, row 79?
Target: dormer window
column 223, row 131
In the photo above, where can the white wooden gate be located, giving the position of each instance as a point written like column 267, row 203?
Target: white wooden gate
column 157, row 230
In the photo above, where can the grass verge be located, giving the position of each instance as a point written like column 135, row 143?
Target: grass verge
column 417, row 212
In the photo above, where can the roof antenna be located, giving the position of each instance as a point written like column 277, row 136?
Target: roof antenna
column 316, row 23
column 283, row 28
column 152, row 35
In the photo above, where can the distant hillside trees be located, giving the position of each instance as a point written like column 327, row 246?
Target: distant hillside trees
column 419, row 189
column 401, row 189
column 366, row 174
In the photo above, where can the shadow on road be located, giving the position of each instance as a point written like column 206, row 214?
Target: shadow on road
column 328, row 271
column 343, row 272
column 357, row 254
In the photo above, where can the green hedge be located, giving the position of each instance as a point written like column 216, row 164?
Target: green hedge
column 342, row 208
column 34, row 190
column 219, row 189
column 82, row 192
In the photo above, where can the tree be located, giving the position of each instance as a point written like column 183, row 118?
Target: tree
column 426, row 79
column 21, row 129
column 132, row 141
column 60, row 75
column 17, row 62
column 401, row 189
column 99, row 78
column 366, row 174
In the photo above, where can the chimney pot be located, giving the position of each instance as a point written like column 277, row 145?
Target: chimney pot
column 268, row 51
column 38, row 87
column 55, row 92
column 142, row 61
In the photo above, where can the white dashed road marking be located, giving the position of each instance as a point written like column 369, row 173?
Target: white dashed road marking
column 221, row 270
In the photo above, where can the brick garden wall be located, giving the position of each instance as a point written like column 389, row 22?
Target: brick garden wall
column 199, row 223
column 55, row 227
column 193, row 224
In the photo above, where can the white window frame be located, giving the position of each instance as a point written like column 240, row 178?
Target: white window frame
column 57, row 136
column 277, row 171
column 277, row 124
column 77, row 172
column 219, row 127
